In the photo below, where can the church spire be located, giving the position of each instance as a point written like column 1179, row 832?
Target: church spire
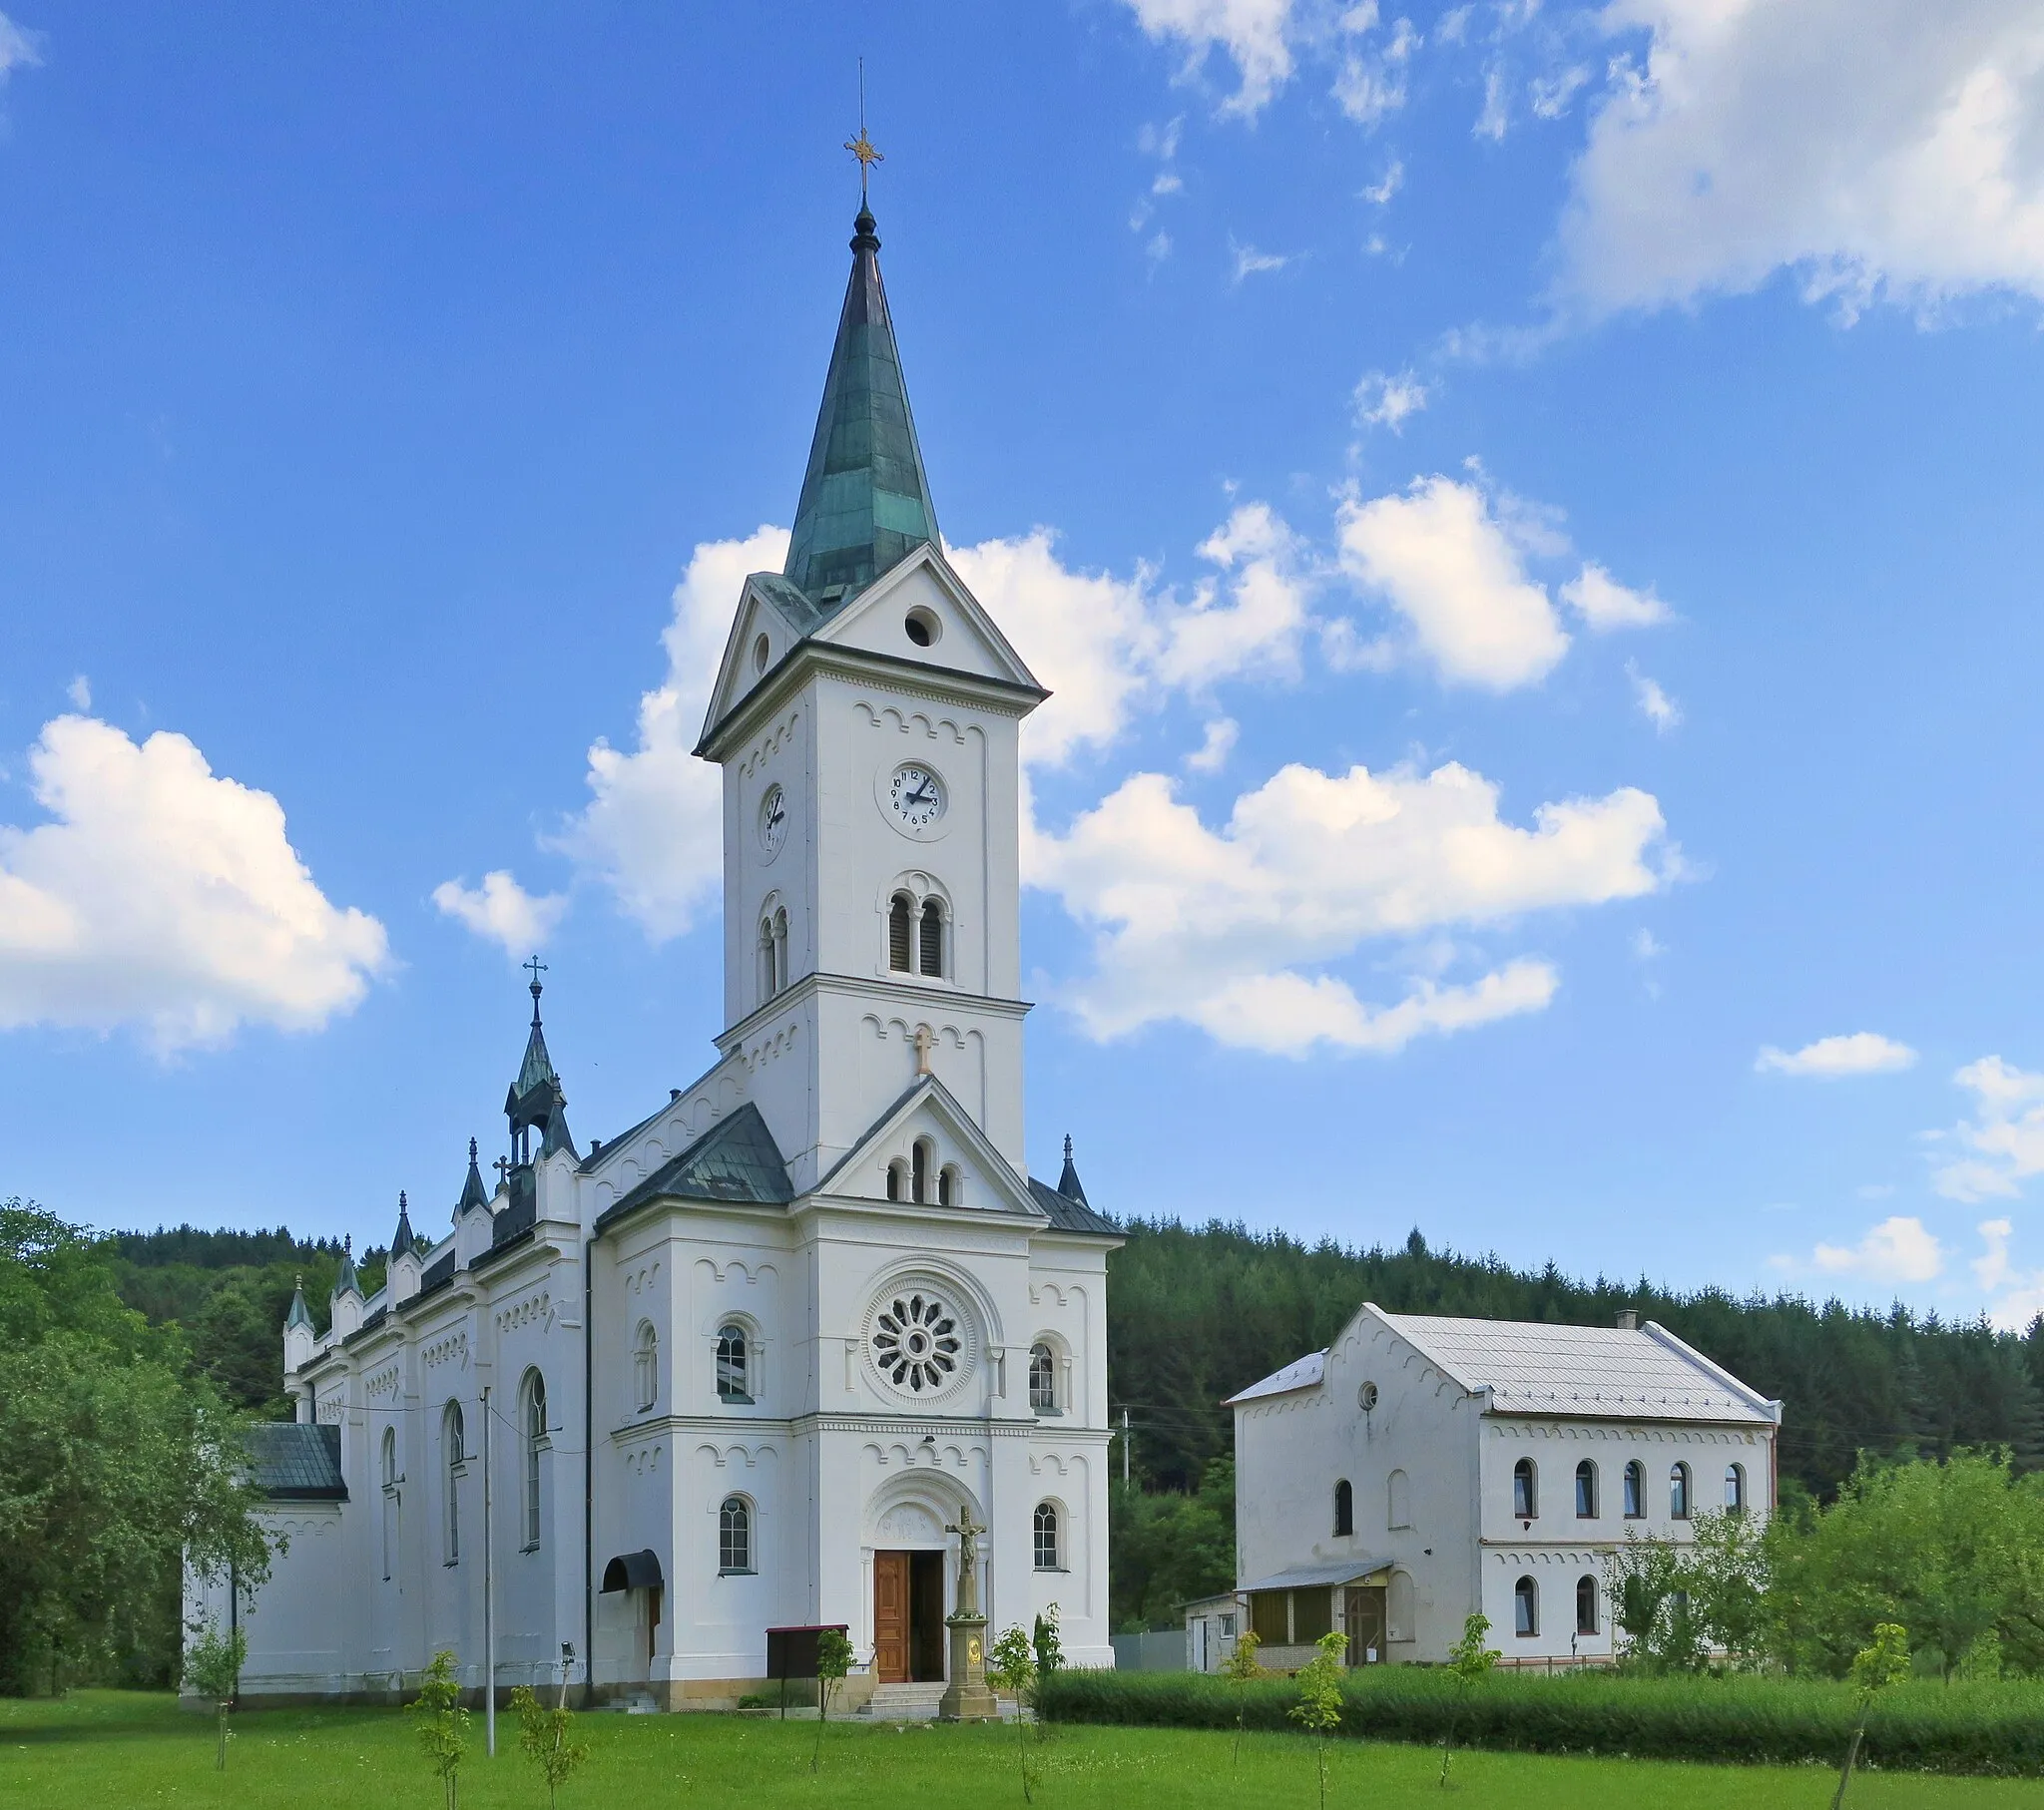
column 865, row 501
column 536, row 1099
column 1069, row 1184
column 472, row 1194
column 401, row 1240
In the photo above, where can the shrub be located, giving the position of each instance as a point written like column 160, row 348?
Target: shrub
column 1963, row 1727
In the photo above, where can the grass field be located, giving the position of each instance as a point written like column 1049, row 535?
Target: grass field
column 108, row 1750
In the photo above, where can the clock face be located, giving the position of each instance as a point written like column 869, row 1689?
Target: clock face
column 916, row 796
column 773, row 819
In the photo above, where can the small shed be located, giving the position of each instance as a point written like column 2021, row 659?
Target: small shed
column 1213, row 1624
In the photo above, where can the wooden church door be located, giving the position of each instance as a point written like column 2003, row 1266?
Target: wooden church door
column 890, row 1618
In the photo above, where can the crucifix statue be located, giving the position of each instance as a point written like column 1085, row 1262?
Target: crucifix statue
column 923, row 1039
column 968, row 1532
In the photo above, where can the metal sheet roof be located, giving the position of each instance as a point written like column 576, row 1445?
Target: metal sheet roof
column 1301, row 1373
column 1608, row 1371
column 294, row 1461
column 1314, row 1576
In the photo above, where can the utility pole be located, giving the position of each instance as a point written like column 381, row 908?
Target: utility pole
column 489, row 1598
column 1124, row 1449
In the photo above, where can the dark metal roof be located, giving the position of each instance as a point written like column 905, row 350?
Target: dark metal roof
column 290, row 1461
column 439, row 1272
column 735, row 1159
column 866, row 500
column 1070, row 1215
column 472, row 1190
column 638, row 1571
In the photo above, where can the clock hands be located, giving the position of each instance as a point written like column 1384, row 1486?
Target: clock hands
column 921, row 795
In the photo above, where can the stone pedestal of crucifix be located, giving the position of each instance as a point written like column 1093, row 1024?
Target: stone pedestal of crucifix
column 966, row 1698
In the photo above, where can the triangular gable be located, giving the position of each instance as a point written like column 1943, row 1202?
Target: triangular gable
column 969, row 640
column 768, row 604
column 928, row 1097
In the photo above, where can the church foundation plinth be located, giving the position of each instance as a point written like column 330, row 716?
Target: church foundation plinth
column 966, row 1698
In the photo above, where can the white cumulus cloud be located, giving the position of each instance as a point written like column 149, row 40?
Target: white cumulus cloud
column 653, row 830
column 1654, row 703
column 1252, row 33
column 2016, row 1297
column 1872, row 146
column 164, row 896
column 1898, row 1250
column 1604, row 604
column 1831, row 1058
column 1385, row 400
column 18, row 48
column 1227, row 928
column 2004, row 1138
column 502, row 911
column 1456, row 572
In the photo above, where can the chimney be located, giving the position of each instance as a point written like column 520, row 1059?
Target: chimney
column 1628, row 1319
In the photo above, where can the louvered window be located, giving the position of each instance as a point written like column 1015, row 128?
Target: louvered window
column 898, row 913
column 932, row 944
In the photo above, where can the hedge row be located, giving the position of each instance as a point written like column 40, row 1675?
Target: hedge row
column 1922, row 1726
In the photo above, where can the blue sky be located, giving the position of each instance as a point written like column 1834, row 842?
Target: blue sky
column 1530, row 514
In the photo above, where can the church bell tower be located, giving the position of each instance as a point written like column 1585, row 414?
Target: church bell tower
column 865, row 715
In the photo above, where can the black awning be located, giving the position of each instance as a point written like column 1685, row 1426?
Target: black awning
column 632, row 1572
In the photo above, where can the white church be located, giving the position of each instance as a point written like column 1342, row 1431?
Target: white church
column 743, row 1366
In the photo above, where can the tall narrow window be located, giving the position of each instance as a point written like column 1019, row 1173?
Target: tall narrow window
column 455, row 1455
column 1526, row 1608
column 1735, row 1489
column 646, row 1366
column 1398, row 1490
column 1525, row 1497
column 535, row 1444
column 932, row 944
column 1586, row 1491
column 1586, row 1603
column 919, row 1169
column 1047, row 1536
column 734, row 1536
column 1344, row 1507
column 1677, row 1491
column 780, row 950
column 949, row 1191
column 1635, row 1491
column 767, row 987
column 734, row 1369
column 390, row 1500
column 897, row 1180
column 1043, row 1380
column 899, row 911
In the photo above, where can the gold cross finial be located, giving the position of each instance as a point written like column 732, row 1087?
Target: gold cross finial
column 862, row 147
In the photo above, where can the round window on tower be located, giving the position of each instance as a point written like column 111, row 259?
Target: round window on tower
column 1367, row 1397
column 760, row 651
column 922, row 628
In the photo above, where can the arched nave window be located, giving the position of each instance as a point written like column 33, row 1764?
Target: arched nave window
column 1735, row 1489
column 646, row 1366
column 390, row 1500
column 1586, row 1491
column 1525, row 1490
column 734, row 1536
column 1677, row 1491
column 1043, row 1380
column 1635, row 1491
column 733, row 1365
column 1047, row 1556
column 1586, row 1603
column 455, row 1455
column 535, row 1443
column 1526, row 1608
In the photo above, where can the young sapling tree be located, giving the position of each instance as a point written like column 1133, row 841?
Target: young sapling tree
column 1469, row 1660
column 213, row 1667
column 1320, row 1699
column 1874, row 1670
column 442, row 1724
column 833, row 1661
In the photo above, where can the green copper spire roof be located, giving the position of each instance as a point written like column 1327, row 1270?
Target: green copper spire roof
column 865, row 503
column 401, row 1240
column 347, row 1281
column 472, row 1194
column 300, row 1314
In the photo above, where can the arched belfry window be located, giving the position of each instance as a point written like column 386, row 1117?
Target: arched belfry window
column 646, row 1366
column 951, row 1189
column 1043, row 1380
column 766, row 959
column 919, row 1157
column 733, row 1365
column 900, row 912
column 930, row 944
column 897, row 1180
column 1344, row 1507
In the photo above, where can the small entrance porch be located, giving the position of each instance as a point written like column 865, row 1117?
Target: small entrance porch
column 908, row 1617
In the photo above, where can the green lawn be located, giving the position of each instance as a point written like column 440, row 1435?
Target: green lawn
column 106, row 1750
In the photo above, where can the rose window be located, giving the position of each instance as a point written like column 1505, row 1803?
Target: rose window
column 916, row 1342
